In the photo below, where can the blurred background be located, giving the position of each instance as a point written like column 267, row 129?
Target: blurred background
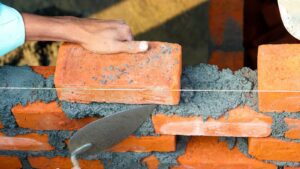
column 222, row 32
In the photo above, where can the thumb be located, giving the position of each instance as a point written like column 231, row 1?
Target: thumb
column 134, row 46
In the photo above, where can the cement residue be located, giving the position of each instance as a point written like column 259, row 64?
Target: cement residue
column 212, row 98
column 58, row 139
column 14, row 78
column 279, row 127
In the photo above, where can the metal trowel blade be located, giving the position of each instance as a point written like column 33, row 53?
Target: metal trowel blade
column 107, row 132
column 290, row 15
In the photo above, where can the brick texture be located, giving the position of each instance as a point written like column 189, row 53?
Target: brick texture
column 152, row 162
column 220, row 13
column 285, row 61
column 26, row 142
column 293, row 128
column 274, row 149
column 10, row 162
column 231, row 60
column 209, row 153
column 155, row 73
column 62, row 163
column 45, row 71
column 46, row 116
column 241, row 122
column 146, row 144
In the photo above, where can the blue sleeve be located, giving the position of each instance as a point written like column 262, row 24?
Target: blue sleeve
column 12, row 29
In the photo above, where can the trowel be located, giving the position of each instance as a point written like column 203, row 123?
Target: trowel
column 290, row 15
column 107, row 132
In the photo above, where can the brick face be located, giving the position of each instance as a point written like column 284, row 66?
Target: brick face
column 10, row 162
column 62, row 163
column 293, row 128
column 222, row 11
column 152, row 162
column 241, row 122
column 45, row 71
column 146, row 144
column 231, row 60
column 209, row 153
column 285, row 61
column 120, row 71
column 46, row 116
column 26, row 142
column 274, row 149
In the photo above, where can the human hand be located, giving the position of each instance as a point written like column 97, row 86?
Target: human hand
column 108, row 36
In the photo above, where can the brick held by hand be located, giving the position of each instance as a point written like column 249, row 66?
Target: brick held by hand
column 84, row 77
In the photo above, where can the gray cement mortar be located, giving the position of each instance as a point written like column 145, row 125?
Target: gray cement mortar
column 21, row 77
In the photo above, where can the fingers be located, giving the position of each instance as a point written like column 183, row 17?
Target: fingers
column 132, row 46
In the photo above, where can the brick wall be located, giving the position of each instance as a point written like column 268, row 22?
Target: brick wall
column 259, row 136
column 260, row 132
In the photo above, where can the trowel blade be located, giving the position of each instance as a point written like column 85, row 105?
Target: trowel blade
column 106, row 132
column 290, row 15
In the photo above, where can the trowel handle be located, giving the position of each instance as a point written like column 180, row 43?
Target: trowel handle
column 78, row 151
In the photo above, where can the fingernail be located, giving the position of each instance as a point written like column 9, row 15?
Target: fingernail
column 144, row 45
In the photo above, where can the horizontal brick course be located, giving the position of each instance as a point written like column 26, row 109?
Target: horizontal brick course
column 62, row 163
column 46, row 116
column 278, row 70
column 155, row 73
column 240, row 122
column 209, row 153
column 26, row 142
column 274, row 149
column 293, row 131
column 10, row 162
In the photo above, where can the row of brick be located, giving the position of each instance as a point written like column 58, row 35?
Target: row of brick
column 240, row 122
column 278, row 92
column 260, row 148
column 40, row 142
column 11, row 162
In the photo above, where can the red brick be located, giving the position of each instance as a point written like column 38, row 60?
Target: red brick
column 241, row 122
column 146, row 144
column 278, row 73
column 46, row 116
column 10, row 162
column 291, row 167
column 274, row 149
column 45, row 71
column 209, row 153
column 152, row 162
column 156, row 75
column 220, row 12
column 231, row 60
column 62, row 163
column 26, row 142
column 293, row 128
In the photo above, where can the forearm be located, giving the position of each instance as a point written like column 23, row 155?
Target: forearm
column 40, row 28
